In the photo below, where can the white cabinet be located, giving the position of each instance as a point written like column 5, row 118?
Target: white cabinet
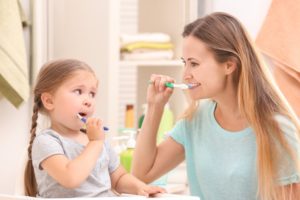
column 166, row 16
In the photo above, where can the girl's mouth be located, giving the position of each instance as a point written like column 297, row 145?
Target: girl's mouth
column 82, row 114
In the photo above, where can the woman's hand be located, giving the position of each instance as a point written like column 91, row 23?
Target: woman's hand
column 157, row 92
column 94, row 129
column 149, row 190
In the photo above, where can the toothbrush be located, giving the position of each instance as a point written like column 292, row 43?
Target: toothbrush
column 181, row 86
column 84, row 121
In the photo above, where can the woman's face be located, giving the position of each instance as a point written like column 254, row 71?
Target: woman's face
column 202, row 69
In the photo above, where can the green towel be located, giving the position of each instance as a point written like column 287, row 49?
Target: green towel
column 14, row 80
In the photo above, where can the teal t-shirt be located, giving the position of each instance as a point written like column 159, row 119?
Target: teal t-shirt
column 222, row 164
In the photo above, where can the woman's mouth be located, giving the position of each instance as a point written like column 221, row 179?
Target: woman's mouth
column 193, row 85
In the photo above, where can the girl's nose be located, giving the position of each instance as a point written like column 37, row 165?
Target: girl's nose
column 87, row 102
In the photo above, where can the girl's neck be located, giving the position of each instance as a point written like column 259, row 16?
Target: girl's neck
column 75, row 135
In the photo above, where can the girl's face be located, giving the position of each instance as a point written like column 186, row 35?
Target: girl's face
column 202, row 69
column 75, row 95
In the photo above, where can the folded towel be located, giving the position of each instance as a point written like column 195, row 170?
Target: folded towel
column 144, row 37
column 146, row 45
column 14, row 82
column 279, row 39
column 149, row 55
column 289, row 86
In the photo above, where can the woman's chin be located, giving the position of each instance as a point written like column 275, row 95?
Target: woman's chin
column 197, row 97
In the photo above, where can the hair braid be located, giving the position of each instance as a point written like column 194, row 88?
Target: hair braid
column 29, row 178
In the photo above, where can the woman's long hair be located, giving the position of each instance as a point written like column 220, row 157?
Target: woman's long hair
column 259, row 99
column 50, row 77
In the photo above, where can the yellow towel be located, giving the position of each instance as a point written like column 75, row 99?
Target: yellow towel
column 279, row 38
column 146, row 45
column 14, row 81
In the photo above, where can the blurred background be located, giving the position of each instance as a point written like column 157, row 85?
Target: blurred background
column 124, row 41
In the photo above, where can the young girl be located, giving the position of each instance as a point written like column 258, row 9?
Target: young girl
column 63, row 161
column 240, row 143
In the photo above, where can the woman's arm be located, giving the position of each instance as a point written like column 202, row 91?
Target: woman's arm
column 165, row 157
column 150, row 162
column 123, row 182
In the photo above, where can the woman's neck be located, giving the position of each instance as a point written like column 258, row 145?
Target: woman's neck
column 228, row 114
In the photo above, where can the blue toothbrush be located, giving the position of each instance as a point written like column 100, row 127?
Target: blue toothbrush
column 84, row 121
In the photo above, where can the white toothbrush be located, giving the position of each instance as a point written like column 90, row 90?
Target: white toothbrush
column 182, row 86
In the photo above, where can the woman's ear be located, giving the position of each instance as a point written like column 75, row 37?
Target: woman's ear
column 47, row 100
column 230, row 66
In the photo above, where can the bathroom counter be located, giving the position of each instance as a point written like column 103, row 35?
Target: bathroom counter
column 122, row 197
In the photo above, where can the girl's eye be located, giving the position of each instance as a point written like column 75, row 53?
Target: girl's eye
column 92, row 94
column 78, row 91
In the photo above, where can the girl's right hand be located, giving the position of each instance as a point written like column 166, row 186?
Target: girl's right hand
column 94, row 129
column 157, row 92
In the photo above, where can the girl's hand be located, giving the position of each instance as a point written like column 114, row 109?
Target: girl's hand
column 94, row 129
column 157, row 92
column 149, row 190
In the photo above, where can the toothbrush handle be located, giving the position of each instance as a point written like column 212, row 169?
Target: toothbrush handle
column 104, row 127
column 169, row 85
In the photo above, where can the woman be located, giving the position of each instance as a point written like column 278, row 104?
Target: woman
column 240, row 143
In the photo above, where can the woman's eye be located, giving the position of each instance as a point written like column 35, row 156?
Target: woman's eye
column 193, row 64
column 78, row 91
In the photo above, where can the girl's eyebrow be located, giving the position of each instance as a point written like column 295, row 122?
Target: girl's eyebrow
column 83, row 86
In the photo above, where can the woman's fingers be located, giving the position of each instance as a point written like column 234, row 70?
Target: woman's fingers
column 159, row 81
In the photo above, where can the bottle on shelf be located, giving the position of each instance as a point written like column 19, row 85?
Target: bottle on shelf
column 166, row 123
column 141, row 118
column 129, row 116
column 127, row 154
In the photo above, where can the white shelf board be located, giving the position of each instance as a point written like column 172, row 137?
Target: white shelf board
column 147, row 63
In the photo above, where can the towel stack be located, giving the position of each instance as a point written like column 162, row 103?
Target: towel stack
column 146, row 46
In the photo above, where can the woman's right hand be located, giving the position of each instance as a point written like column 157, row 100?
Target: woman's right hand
column 157, row 92
column 94, row 129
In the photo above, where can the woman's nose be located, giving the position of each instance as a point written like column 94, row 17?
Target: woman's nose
column 186, row 75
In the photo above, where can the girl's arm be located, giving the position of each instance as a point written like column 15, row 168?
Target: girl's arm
column 71, row 173
column 124, row 182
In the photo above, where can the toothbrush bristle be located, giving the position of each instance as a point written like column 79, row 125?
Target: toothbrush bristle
column 191, row 85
